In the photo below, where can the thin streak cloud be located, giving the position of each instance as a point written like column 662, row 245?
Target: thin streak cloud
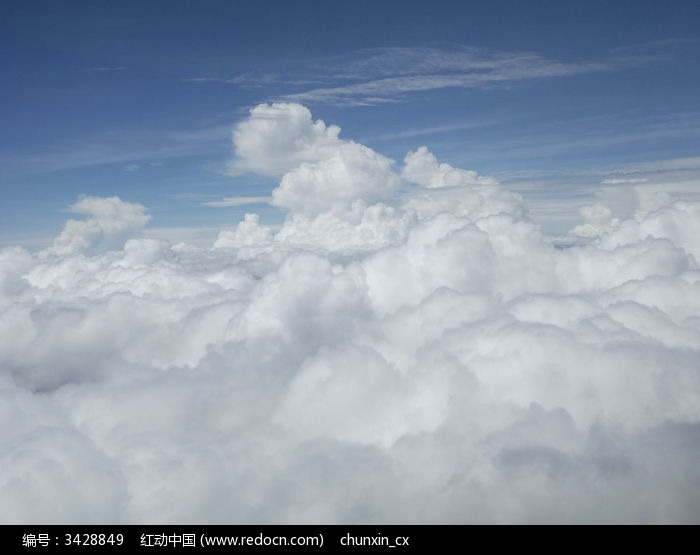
column 375, row 76
column 228, row 202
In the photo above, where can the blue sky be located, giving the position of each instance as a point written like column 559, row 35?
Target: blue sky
column 138, row 99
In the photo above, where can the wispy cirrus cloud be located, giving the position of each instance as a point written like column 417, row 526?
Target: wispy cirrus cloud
column 228, row 202
column 131, row 147
column 381, row 75
column 393, row 73
column 425, row 131
column 549, row 196
column 109, row 68
column 600, row 134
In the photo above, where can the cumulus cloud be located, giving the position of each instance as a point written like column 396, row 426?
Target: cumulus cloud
column 278, row 137
column 458, row 191
column 427, row 359
column 597, row 219
column 108, row 223
column 422, row 167
column 653, row 214
column 320, row 171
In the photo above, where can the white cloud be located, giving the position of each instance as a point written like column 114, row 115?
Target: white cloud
column 423, row 168
column 109, row 222
column 201, row 236
column 622, row 180
column 319, row 170
column 228, row 202
column 454, row 190
column 248, row 232
column 374, row 76
column 597, row 220
column 679, row 222
column 278, row 137
column 437, row 361
column 358, row 228
column 354, row 172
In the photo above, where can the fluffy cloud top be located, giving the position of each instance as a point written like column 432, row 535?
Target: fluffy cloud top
column 454, row 190
column 109, row 222
column 423, row 168
column 428, row 360
column 320, row 172
column 278, row 137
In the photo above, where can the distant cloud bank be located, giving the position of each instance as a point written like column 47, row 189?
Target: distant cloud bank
column 407, row 346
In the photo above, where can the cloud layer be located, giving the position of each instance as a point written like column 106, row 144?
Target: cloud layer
column 407, row 347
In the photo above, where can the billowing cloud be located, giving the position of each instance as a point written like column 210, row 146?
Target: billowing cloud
column 454, row 190
column 422, row 167
column 428, row 359
column 276, row 138
column 108, row 223
column 320, row 172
